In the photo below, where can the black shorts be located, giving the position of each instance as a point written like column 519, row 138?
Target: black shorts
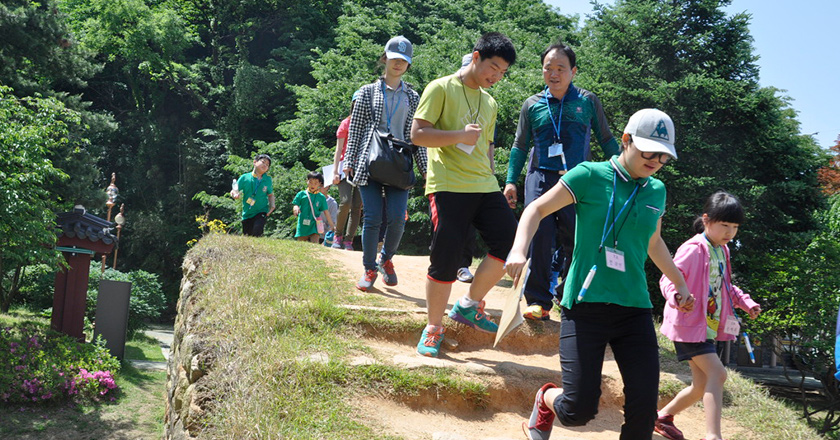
column 452, row 215
column 687, row 350
column 254, row 226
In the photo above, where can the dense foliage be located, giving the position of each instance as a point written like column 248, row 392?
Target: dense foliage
column 176, row 96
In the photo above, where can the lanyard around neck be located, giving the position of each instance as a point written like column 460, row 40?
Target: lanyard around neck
column 724, row 286
column 395, row 95
column 257, row 185
column 464, row 89
column 558, row 124
column 611, row 209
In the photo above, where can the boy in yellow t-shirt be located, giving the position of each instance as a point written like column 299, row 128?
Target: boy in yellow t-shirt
column 455, row 120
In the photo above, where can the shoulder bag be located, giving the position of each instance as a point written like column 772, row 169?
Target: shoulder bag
column 318, row 222
column 391, row 161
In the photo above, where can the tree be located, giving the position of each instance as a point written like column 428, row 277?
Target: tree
column 188, row 83
column 33, row 128
column 829, row 175
column 691, row 60
column 800, row 297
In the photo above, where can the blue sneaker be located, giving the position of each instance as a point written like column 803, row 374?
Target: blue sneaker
column 538, row 427
column 429, row 344
column 473, row 317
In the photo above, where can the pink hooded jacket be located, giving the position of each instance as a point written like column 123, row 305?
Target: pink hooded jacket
column 692, row 259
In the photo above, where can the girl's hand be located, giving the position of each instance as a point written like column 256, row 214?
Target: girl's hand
column 685, row 300
column 296, row 210
column 514, row 265
column 348, row 172
column 753, row 312
column 336, row 179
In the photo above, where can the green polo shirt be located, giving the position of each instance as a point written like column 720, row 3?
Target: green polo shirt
column 254, row 194
column 591, row 185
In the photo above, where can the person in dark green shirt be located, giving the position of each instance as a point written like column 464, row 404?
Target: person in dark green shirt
column 619, row 209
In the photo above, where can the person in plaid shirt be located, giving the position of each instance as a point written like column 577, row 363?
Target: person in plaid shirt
column 386, row 105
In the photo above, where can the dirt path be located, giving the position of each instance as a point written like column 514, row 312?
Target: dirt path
column 513, row 371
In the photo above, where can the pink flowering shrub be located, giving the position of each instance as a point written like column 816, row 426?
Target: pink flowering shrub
column 40, row 365
column 98, row 385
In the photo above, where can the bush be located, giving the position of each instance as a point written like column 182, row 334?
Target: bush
column 37, row 287
column 41, row 365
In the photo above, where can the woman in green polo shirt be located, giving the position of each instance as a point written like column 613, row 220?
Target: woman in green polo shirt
column 619, row 207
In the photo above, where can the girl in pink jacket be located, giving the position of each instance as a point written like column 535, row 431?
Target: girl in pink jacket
column 704, row 262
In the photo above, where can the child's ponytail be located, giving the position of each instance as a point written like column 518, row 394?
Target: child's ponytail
column 699, row 227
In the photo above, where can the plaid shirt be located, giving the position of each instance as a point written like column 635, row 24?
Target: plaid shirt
column 363, row 122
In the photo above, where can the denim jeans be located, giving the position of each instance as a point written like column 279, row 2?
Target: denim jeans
column 395, row 201
column 552, row 244
column 585, row 331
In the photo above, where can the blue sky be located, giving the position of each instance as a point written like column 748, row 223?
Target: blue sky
column 798, row 51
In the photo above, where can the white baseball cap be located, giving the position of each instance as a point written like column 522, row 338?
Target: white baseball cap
column 652, row 131
column 399, row 47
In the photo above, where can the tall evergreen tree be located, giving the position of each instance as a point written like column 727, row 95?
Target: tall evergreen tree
column 691, row 60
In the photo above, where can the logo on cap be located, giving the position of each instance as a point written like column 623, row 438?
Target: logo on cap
column 661, row 131
column 402, row 46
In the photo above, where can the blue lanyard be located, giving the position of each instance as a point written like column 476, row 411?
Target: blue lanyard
column 389, row 115
column 557, row 125
column 610, row 208
column 257, row 186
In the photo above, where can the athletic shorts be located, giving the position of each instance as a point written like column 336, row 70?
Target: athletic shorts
column 687, row 350
column 452, row 215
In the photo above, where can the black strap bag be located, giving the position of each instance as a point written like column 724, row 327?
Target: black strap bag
column 391, row 161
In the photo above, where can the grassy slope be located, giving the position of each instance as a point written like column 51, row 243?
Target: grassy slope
column 279, row 308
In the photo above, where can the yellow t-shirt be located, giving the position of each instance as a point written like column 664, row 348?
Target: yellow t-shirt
column 449, row 105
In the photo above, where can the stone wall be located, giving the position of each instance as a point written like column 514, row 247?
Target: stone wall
column 189, row 365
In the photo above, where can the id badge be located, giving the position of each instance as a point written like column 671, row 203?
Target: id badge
column 250, row 201
column 732, row 327
column 555, row 149
column 615, row 259
column 465, row 148
column 306, row 222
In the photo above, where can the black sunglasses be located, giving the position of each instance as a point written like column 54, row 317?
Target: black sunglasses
column 662, row 157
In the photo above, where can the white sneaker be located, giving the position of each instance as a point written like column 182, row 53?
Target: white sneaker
column 464, row 275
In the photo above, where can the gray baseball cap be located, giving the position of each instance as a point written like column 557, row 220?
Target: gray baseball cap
column 653, row 131
column 399, row 47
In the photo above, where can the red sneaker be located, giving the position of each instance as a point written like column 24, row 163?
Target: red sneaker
column 389, row 276
column 366, row 282
column 664, row 425
column 538, row 427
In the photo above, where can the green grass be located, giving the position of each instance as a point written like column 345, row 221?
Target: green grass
column 143, row 348
column 282, row 322
column 137, row 414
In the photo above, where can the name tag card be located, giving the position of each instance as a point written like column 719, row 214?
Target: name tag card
column 615, row 259
column 732, row 327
